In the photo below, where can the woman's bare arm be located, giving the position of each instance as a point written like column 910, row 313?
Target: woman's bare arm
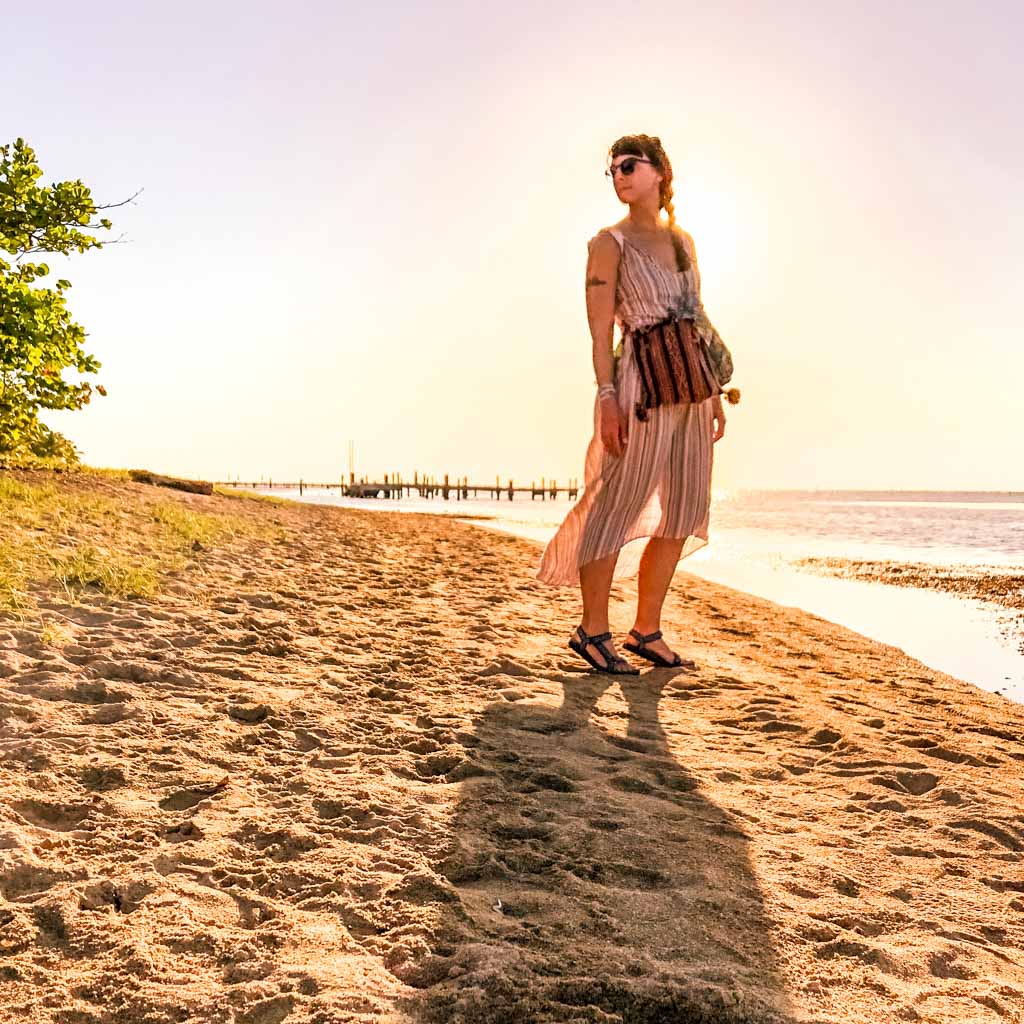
column 602, row 278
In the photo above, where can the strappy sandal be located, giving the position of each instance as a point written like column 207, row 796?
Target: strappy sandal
column 654, row 656
column 615, row 665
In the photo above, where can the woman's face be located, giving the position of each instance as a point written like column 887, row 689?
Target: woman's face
column 643, row 183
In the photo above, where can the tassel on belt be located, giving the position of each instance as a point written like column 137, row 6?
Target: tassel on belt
column 670, row 359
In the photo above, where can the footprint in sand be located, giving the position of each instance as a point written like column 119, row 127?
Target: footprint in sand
column 862, row 952
column 124, row 898
column 914, row 783
column 846, row 886
column 917, row 783
column 528, row 781
column 248, row 713
column 109, row 714
column 885, row 805
column 824, row 738
column 637, row 876
column 628, row 743
column 1007, row 835
column 268, row 1011
column 60, row 817
column 421, row 745
column 931, row 748
column 16, row 931
column 606, row 824
column 306, row 739
column 438, row 766
column 85, row 691
column 632, row 784
column 764, row 719
column 183, row 799
column 130, row 671
column 423, row 887
column 505, row 665
column 102, row 776
column 184, row 831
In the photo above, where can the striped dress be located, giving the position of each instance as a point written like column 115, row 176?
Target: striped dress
column 661, row 485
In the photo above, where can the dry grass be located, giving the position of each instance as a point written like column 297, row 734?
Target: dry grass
column 93, row 528
column 88, row 566
column 234, row 492
column 105, row 472
column 55, row 634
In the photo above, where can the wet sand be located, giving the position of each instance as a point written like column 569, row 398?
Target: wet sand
column 354, row 774
column 996, row 584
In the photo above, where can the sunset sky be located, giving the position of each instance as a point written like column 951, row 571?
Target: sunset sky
column 369, row 222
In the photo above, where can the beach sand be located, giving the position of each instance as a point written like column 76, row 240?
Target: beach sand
column 354, row 774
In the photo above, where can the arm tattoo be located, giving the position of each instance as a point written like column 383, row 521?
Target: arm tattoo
column 591, row 281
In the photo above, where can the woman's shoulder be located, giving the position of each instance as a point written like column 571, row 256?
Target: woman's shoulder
column 687, row 239
column 618, row 232
column 607, row 236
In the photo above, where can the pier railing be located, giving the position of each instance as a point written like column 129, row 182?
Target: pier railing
column 393, row 486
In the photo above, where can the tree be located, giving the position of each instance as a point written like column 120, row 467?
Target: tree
column 38, row 338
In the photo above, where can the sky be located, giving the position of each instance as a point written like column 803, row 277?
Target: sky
column 369, row 223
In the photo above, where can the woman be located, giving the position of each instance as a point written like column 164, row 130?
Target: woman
column 647, row 476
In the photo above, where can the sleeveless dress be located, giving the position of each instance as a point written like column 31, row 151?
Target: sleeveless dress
column 661, row 485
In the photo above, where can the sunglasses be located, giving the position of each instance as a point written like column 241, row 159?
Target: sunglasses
column 627, row 166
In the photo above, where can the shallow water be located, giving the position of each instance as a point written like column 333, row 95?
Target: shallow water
column 756, row 536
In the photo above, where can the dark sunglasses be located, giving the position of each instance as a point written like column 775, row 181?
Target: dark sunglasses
column 627, row 166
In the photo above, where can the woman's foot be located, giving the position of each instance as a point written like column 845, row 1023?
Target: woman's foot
column 594, row 650
column 655, row 646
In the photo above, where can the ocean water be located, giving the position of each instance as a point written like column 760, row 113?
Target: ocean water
column 755, row 537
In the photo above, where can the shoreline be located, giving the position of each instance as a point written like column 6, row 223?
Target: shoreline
column 933, row 604
column 354, row 773
column 962, row 629
column 996, row 584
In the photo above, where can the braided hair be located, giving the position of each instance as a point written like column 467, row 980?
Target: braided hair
column 650, row 147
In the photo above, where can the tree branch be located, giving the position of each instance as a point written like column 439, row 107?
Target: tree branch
column 113, row 206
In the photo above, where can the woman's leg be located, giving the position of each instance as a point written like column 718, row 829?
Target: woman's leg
column 595, row 586
column 657, row 565
column 686, row 497
column 627, row 484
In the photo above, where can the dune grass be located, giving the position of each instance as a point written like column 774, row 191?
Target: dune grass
column 67, row 531
column 107, row 473
column 191, row 529
column 88, row 566
column 234, row 492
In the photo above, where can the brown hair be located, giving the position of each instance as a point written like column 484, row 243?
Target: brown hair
column 650, row 147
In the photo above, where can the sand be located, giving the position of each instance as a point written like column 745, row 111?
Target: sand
column 356, row 775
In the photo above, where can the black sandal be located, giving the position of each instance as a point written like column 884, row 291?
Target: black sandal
column 612, row 661
column 654, row 656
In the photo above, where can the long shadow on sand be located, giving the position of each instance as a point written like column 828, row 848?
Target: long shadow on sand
column 595, row 881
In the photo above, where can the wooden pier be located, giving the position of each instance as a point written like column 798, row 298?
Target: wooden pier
column 393, row 486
